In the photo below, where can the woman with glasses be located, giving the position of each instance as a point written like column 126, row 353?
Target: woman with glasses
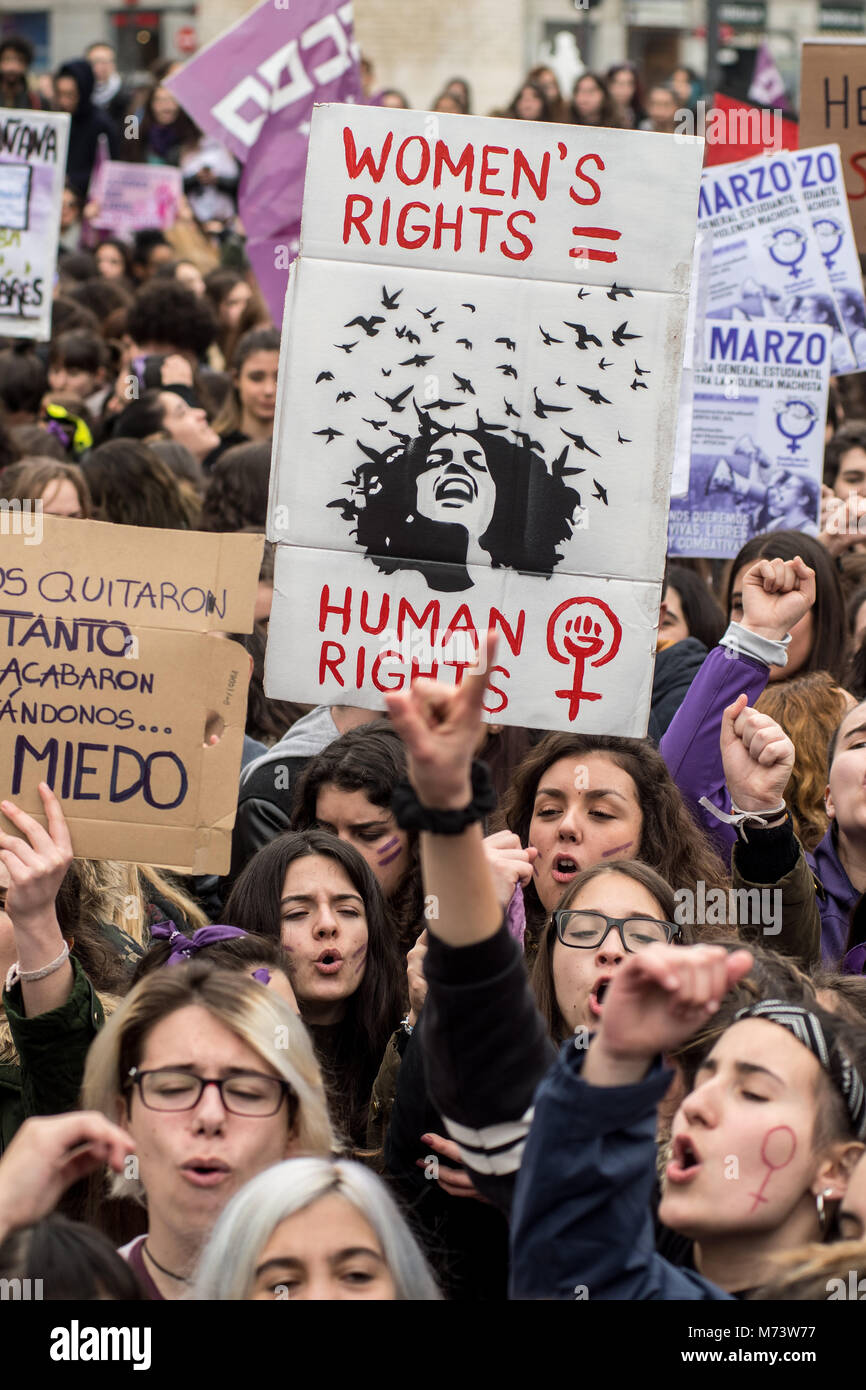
column 214, row 1078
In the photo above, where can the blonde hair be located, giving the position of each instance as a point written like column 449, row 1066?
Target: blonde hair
column 116, row 892
column 807, row 1273
column 254, row 1013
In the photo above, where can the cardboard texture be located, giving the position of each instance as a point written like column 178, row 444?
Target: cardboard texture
column 32, row 171
column 135, row 195
column 479, row 380
column 110, row 672
column 833, row 109
column 757, row 436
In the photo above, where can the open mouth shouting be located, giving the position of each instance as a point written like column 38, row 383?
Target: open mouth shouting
column 564, row 868
column 686, row 1162
column 599, row 990
column 456, row 488
column 329, row 961
column 206, row 1172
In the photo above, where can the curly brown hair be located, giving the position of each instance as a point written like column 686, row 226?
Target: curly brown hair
column 671, row 842
column 809, row 708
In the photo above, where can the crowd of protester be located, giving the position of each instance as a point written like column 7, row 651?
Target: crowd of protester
column 477, row 1011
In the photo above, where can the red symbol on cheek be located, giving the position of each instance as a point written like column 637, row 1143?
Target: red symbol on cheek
column 777, row 1150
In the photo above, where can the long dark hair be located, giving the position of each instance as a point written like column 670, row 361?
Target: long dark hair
column 370, row 759
column 541, row 979
column 704, row 617
column 373, row 1011
column 828, row 614
column 671, row 842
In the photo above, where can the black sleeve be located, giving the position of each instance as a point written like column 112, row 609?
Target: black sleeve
column 769, row 853
column 485, row 1050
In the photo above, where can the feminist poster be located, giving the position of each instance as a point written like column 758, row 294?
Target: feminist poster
column 479, row 378
column 823, row 188
column 759, row 401
column 117, row 689
column 32, row 172
column 131, row 196
column 767, row 263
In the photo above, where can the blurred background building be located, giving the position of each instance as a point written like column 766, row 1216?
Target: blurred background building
column 417, row 45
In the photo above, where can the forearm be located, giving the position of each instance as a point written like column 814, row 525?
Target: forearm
column 457, row 877
column 39, row 941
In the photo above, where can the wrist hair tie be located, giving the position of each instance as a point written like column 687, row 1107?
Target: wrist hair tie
column 411, row 814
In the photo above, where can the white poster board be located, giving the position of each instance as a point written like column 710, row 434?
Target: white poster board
column 823, row 187
column 479, row 382
column 32, row 172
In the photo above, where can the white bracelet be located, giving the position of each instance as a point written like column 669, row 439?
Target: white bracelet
column 740, row 819
column 27, row 977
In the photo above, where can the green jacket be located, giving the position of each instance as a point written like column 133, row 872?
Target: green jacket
column 45, row 1077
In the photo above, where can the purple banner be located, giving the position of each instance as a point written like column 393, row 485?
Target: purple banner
column 254, row 88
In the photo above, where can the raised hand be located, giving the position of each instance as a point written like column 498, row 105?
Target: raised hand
column 36, row 864
column 776, row 595
column 757, row 757
column 440, row 726
column 415, row 977
column 658, row 998
column 510, row 862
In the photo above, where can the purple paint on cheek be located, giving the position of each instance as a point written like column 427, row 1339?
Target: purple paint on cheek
column 391, row 850
column 609, row 853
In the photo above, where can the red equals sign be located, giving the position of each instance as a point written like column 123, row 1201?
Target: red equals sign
column 592, row 253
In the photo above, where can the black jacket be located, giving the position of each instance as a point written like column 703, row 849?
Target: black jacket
column 676, row 668
column 85, row 127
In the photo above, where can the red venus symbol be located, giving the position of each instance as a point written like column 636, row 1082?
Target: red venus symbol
column 590, row 632
column 777, row 1150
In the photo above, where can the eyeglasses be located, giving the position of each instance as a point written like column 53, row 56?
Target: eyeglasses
column 587, row 930
column 246, row 1093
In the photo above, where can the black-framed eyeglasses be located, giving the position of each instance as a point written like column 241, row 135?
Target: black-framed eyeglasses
column 249, row 1093
column 587, row 930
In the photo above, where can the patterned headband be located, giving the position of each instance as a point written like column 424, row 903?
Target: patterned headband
column 807, row 1028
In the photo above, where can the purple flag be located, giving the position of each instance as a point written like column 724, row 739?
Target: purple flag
column 254, row 88
column 768, row 87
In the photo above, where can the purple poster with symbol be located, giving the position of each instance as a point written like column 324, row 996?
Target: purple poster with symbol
column 254, row 89
column 759, row 401
column 479, row 379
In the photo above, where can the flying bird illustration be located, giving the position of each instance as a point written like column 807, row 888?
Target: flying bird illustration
column 583, row 335
column 386, row 371
column 542, row 409
column 368, row 325
column 604, row 364
column 434, row 327
column 427, row 313
column 582, row 294
column 465, row 343
column 509, row 410
column 412, row 337
column 403, row 438
column 389, row 301
column 470, row 307
column 464, row 384
column 347, row 347
column 507, row 369
column 641, row 371
column 324, row 376
column 330, row 433
column 401, row 331
column 485, row 426
column 394, row 401
column 509, row 343
column 526, row 440
column 600, row 492
column 639, row 385
column 548, row 337
column 419, row 360
column 346, row 396
column 595, row 396
column 441, row 405
column 616, row 290
column 620, row 439
column 620, row 336
column 559, row 381
column 580, row 443
column 377, row 424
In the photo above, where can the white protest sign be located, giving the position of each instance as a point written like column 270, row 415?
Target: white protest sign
column 767, row 263
column 479, row 380
column 823, row 187
column 132, row 196
column 32, row 172
column 758, row 410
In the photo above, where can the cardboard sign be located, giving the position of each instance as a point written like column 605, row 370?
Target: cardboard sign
column 32, row 172
column 767, row 263
column 109, row 673
column 253, row 88
column 823, row 188
column 833, row 109
column 758, row 410
column 479, row 379
column 133, row 196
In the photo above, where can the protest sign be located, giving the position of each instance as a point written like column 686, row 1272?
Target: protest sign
column 833, row 108
column 132, row 196
column 823, row 189
column 110, row 673
column 735, row 130
column 758, row 410
column 767, row 263
column 32, row 172
column 253, row 88
column 479, row 377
